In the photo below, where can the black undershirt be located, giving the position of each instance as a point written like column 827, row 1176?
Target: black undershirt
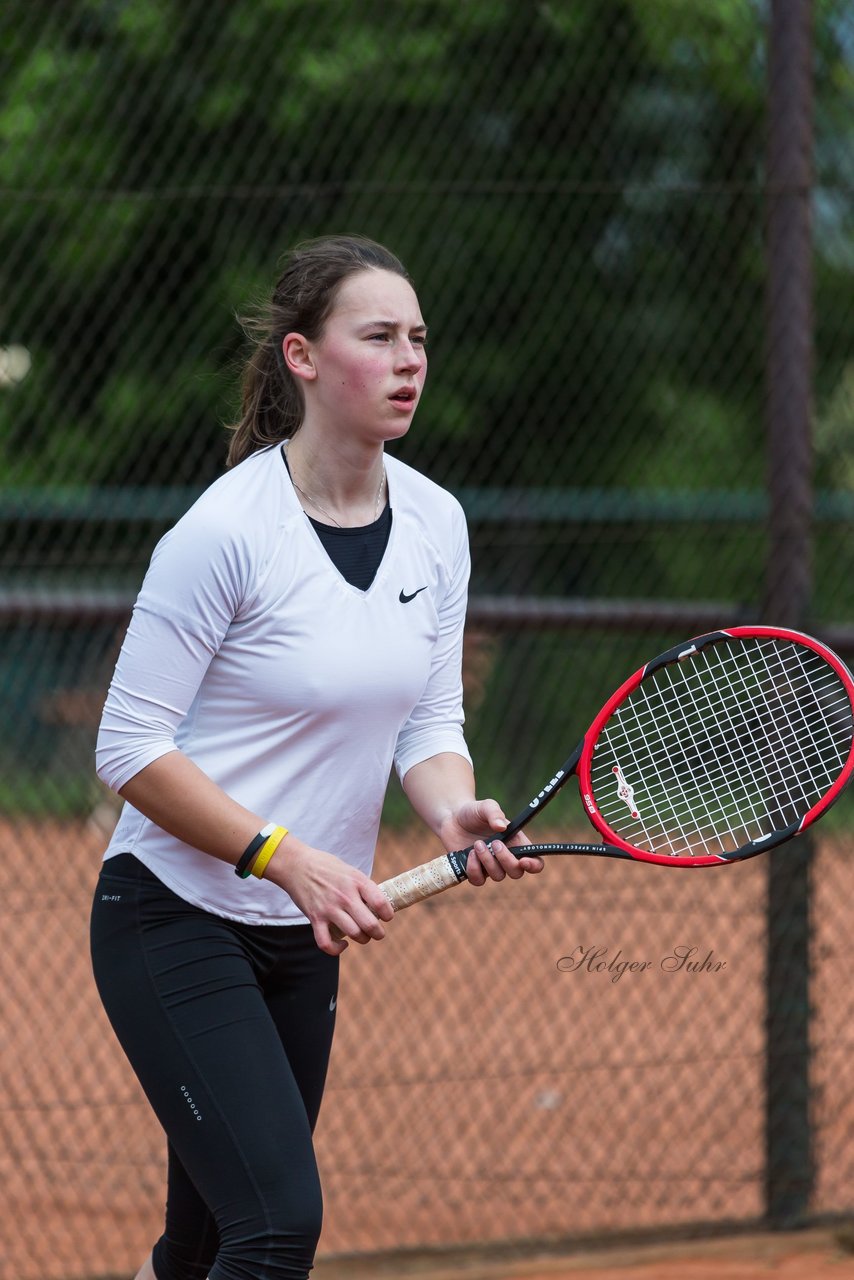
column 356, row 553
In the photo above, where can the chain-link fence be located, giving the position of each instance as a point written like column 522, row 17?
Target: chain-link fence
column 583, row 192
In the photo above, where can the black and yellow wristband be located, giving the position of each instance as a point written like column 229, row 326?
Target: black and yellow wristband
column 268, row 848
column 244, row 865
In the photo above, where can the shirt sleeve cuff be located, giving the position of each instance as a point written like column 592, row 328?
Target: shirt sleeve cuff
column 116, row 767
column 426, row 743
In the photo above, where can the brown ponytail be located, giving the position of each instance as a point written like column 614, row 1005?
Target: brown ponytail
column 272, row 408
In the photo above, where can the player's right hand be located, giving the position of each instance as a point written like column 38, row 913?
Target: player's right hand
column 330, row 893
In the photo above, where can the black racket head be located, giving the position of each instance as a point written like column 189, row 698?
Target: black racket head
column 720, row 748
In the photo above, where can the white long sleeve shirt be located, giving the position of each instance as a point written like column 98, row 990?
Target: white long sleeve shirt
column 293, row 690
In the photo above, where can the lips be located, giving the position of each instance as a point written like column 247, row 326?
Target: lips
column 404, row 397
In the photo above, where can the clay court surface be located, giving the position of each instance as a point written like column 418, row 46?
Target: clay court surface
column 486, row 1090
column 810, row 1255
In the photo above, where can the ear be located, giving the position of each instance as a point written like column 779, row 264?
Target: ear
column 298, row 356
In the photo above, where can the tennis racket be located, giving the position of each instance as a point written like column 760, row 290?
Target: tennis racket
column 717, row 750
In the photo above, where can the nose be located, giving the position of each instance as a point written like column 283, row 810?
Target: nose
column 410, row 357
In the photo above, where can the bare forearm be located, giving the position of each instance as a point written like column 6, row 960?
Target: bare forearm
column 438, row 787
column 175, row 794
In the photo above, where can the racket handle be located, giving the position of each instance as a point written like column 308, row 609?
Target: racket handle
column 425, row 881
column 421, row 882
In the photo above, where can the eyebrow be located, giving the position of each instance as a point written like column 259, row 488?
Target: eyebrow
column 389, row 324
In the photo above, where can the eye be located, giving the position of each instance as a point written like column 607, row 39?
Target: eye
column 419, row 340
column 378, row 337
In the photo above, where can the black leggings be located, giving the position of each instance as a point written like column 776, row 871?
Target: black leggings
column 228, row 1027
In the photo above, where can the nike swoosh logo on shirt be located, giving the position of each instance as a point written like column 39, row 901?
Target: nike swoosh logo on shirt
column 404, row 598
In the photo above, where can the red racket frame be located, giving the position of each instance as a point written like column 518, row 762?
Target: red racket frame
column 685, row 651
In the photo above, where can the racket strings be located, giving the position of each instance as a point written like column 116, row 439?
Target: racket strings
column 741, row 780
column 806, row 752
column 703, row 804
column 728, row 746
column 775, row 739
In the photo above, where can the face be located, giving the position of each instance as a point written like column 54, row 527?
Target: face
column 366, row 372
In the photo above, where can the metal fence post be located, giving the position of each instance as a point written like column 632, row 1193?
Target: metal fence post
column 789, row 1170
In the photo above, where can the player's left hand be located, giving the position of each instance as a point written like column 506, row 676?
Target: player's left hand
column 490, row 858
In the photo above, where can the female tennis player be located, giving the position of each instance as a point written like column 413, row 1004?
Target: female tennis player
column 298, row 632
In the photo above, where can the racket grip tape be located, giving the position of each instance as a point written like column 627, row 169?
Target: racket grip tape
column 427, row 880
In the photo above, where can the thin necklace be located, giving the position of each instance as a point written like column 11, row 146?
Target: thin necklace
column 308, row 498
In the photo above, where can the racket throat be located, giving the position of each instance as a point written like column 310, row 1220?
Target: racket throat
column 549, row 791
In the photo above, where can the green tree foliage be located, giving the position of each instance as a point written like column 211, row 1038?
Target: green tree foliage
column 576, row 186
